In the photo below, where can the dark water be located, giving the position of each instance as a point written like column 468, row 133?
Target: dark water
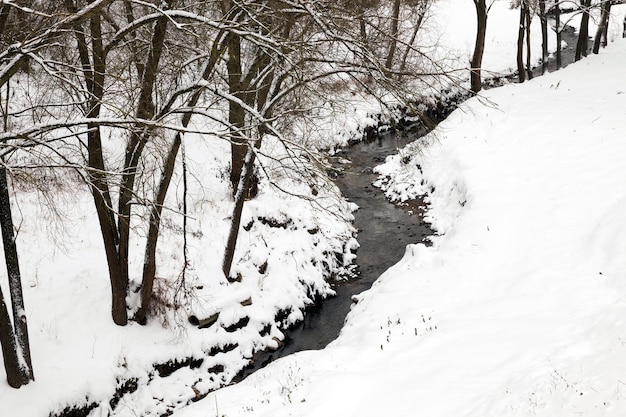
column 384, row 230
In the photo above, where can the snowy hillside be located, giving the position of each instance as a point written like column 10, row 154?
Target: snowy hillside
column 518, row 308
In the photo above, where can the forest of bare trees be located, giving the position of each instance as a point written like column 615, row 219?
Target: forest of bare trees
column 127, row 80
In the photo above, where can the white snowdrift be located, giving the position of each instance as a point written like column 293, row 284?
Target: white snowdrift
column 518, row 308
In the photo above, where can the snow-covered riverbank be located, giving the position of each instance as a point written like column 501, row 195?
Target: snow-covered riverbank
column 517, row 309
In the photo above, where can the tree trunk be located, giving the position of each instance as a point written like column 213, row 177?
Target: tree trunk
column 5, row 9
column 479, row 46
column 94, row 71
column 583, row 33
column 149, row 266
column 16, row 373
column 393, row 35
column 557, row 23
column 136, row 144
column 418, row 25
column 544, row 36
column 15, row 280
column 529, row 65
column 240, row 196
column 111, row 238
column 520, row 46
column 362, row 26
column 601, row 34
column 236, row 114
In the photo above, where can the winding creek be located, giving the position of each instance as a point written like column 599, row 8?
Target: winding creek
column 384, row 230
column 377, row 221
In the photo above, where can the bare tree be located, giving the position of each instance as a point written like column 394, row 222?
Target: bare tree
column 139, row 71
column 528, row 18
column 115, row 224
column 559, row 37
column 601, row 34
column 14, row 338
column 479, row 45
column 583, row 33
column 93, row 65
column 393, row 34
column 544, row 35
column 521, row 75
column 149, row 267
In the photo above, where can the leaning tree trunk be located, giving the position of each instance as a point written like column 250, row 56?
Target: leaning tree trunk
column 17, row 374
column 240, row 197
column 479, row 46
column 409, row 46
column 22, row 344
column 94, row 70
column 601, row 34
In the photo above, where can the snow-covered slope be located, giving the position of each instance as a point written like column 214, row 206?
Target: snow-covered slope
column 518, row 308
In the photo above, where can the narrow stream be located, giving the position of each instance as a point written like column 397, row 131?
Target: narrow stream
column 384, row 230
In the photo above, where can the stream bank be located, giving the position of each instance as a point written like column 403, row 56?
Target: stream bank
column 384, row 229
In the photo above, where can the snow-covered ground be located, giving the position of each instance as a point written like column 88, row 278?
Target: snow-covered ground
column 516, row 308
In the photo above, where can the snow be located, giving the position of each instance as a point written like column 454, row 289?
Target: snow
column 516, row 309
column 80, row 357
